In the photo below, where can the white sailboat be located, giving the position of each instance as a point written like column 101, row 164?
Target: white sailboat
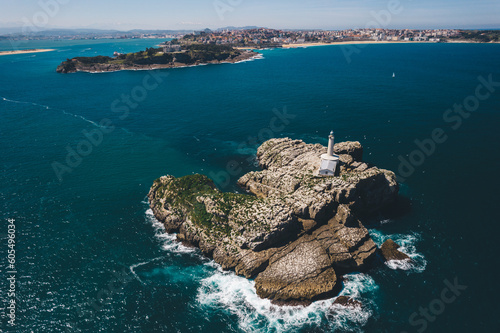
column 393, row 74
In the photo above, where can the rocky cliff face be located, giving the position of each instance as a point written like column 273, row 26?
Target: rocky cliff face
column 298, row 233
column 112, row 64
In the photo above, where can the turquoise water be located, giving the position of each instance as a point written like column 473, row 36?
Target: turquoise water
column 91, row 256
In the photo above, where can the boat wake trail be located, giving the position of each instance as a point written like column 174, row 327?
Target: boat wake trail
column 46, row 107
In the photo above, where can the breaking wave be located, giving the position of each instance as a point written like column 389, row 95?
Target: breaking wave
column 223, row 291
column 237, row 295
column 259, row 56
column 408, row 243
column 168, row 241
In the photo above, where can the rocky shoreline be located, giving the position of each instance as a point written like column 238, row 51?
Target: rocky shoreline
column 74, row 65
column 296, row 234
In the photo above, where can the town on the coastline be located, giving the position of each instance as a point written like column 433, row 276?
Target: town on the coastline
column 235, row 45
column 265, row 37
column 272, row 37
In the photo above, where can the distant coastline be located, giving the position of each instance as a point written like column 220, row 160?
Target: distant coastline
column 25, row 51
column 305, row 45
column 293, row 46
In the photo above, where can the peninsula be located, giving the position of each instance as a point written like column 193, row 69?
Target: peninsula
column 24, row 51
column 168, row 56
column 296, row 233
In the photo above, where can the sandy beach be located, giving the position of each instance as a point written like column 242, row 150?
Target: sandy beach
column 25, row 51
column 294, row 46
column 288, row 46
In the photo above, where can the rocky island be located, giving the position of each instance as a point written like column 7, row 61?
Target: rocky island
column 295, row 233
column 167, row 56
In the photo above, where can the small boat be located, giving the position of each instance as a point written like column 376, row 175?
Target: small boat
column 393, row 74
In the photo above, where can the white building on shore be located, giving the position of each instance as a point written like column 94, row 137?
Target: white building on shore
column 329, row 161
column 171, row 48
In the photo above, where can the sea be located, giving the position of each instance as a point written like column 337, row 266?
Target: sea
column 80, row 250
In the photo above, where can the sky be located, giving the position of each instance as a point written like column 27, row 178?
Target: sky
column 279, row 14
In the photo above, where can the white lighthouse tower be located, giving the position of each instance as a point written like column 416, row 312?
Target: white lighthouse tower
column 329, row 161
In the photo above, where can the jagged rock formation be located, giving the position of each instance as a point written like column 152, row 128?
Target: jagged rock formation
column 347, row 302
column 298, row 234
column 389, row 251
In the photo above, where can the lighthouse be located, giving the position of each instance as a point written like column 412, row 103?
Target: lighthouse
column 329, row 160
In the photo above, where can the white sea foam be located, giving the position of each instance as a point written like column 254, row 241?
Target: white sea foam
column 174, row 274
column 225, row 291
column 408, row 243
column 132, row 270
column 237, row 295
column 386, row 221
column 168, row 241
column 259, row 56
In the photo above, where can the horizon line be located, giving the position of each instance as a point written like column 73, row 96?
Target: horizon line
column 249, row 27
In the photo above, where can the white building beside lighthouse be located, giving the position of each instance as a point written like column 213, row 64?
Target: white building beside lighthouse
column 329, row 161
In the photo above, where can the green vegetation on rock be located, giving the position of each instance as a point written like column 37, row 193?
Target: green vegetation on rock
column 191, row 54
column 185, row 196
column 297, row 232
column 482, row 36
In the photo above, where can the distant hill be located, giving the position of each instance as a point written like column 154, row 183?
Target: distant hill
column 238, row 28
column 18, row 31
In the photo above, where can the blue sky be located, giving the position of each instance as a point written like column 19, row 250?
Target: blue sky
column 290, row 14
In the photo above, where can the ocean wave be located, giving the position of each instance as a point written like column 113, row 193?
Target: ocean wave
column 259, row 56
column 168, row 241
column 221, row 290
column 408, row 243
column 237, row 295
